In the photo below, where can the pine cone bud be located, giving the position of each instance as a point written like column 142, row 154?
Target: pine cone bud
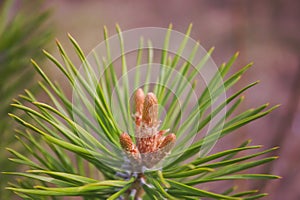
column 168, row 142
column 129, row 147
column 150, row 110
column 152, row 158
column 139, row 101
column 151, row 144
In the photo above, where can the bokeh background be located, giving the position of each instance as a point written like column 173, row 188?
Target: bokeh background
column 266, row 32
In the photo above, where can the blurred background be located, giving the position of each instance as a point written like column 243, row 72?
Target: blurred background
column 266, row 32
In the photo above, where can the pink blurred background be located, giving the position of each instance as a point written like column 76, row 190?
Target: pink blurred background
column 266, row 32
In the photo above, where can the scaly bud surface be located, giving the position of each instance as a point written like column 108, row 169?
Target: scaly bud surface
column 150, row 110
column 139, row 98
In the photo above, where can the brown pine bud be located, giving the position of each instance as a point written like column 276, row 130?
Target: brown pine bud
column 139, row 98
column 168, row 142
column 126, row 142
column 150, row 110
column 151, row 144
column 151, row 159
column 129, row 147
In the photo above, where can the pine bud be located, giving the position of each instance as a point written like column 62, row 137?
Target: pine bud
column 168, row 142
column 151, row 144
column 150, row 110
column 139, row 101
column 139, row 98
column 129, row 147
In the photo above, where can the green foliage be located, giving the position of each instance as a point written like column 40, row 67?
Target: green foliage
column 70, row 161
column 22, row 35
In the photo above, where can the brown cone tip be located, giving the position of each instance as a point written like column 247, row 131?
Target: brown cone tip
column 150, row 110
column 169, row 140
column 126, row 142
column 139, row 101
